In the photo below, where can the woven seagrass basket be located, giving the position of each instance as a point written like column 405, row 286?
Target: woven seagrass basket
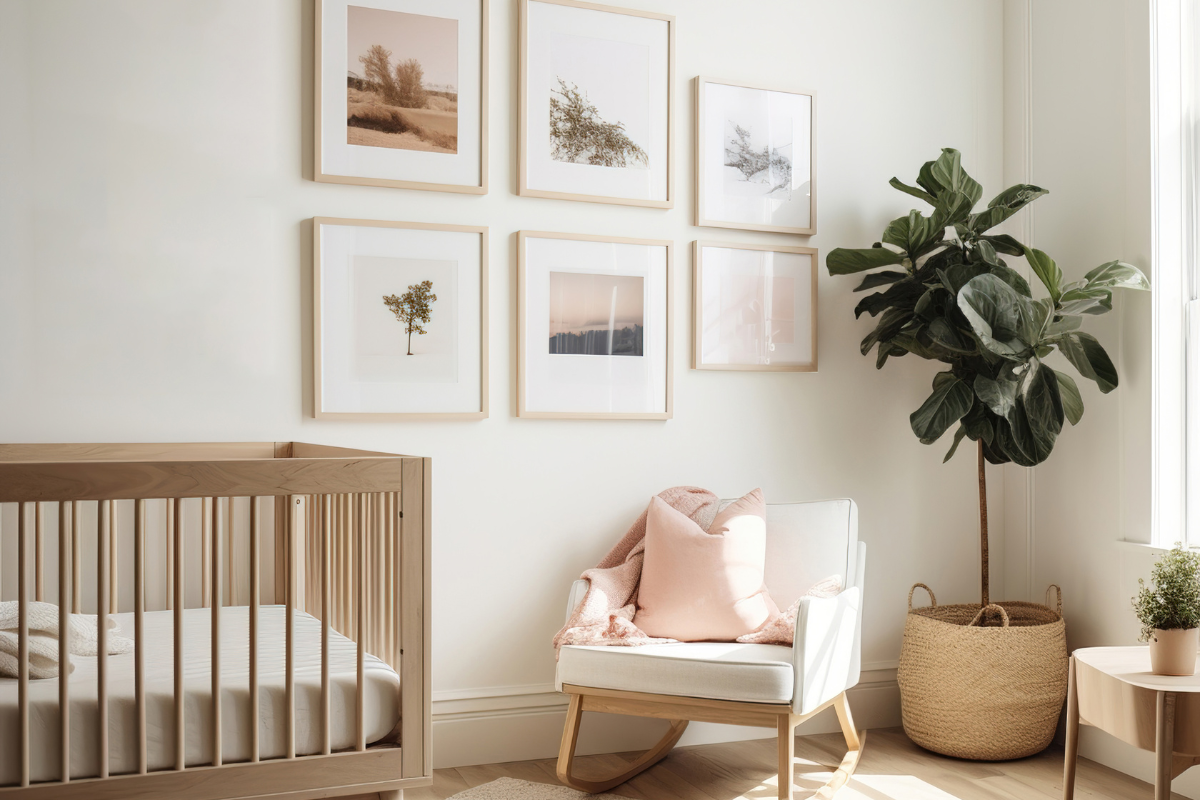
column 983, row 683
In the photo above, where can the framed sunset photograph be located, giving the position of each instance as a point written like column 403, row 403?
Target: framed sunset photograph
column 755, row 157
column 755, row 307
column 401, row 94
column 593, row 327
column 595, row 116
column 399, row 320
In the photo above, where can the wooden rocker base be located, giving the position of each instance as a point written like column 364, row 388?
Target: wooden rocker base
column 681, row 710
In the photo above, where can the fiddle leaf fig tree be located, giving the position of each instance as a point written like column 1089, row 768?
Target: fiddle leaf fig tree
column 944, row 292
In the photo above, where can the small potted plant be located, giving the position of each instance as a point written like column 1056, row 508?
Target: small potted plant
column 1169, row 611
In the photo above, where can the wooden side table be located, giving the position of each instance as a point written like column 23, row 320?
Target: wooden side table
column 1112, row 688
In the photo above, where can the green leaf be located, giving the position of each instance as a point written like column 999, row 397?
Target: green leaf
column 914, row 191
column 943, row 378
column 903, row 294
column 987, row 253
column 912, row 233
column 1087, row 300
column 1038, row 417
column 880, row 279
column 1047, row 271
column 927, row 181
column 947, row 405
column 843, row 261
column 948, row 172
column 1004, row 205
column 953, row 207
column 999, row 396
column 941, row 333
column 1005, row 244
column 889, row 325
column 958, row 437
column 1072, row 401
column 977, row 424
column 1087, row 355
column 1117, row 275
column 1012, row 278
column 1000, row 317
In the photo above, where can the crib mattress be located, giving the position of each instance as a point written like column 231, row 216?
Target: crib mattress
column 382, row 694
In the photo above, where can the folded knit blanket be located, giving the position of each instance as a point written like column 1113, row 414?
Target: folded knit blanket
column 605, row 617
column 44, row 658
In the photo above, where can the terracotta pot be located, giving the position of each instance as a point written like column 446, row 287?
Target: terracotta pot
column 1173, row 652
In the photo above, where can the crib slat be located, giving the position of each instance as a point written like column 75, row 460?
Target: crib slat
column 139, row 639
column 289, row 685
column 254, row 528
column 113, row 585
column 169, row 538
column 205, row 559
column 215, row 663
column 327, row 524
column 76, row 557
column 231, row 580
column 39, row 553
column 23, row 640
column 177, row 607
column 361, row 619
column 104, row 532
column 64, row 639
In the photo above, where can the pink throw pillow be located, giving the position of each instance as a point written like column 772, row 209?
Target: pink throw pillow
column 705, row 586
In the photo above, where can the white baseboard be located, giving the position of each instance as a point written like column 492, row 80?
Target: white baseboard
column 521, row 723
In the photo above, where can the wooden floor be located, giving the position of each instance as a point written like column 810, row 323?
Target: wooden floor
column 892, row 768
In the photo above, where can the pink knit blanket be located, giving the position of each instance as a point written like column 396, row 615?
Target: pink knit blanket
column 605, row 617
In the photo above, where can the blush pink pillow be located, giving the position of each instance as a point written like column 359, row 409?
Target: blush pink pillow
column 702, row 585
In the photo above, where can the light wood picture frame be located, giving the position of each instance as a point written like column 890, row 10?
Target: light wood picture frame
column 744, row 324
column 346, row 282
column 391, row 143
column 632, row 279
column 576, row 46
column 769, row 199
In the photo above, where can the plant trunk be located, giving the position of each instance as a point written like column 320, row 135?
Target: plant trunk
column 410, row 344
column 983, row 526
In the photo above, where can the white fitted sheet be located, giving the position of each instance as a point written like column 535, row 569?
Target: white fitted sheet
column 382, row 697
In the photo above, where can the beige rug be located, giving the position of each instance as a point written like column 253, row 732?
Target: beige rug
column 513, row 789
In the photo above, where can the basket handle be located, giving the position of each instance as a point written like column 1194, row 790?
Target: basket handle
column 932, row 599
column 982, row 611
column 1058, row 589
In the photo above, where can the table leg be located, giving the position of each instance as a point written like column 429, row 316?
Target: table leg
column 1071, row 751
column 1164, row 742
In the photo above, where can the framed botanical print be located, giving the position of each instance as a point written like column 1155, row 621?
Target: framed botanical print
column 755, row 157
column 755, row 307
column 595, row 112
column 402, row 93
column 593, row 327
column 399, row 320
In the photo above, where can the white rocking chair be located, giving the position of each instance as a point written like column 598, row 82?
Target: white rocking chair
column 741, row 684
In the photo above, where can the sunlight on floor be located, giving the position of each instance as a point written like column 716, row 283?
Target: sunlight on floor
column 893, row 787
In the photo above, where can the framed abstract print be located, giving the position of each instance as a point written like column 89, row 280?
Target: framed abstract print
column 399, row 320
column 755, row 307
column 593, row 327
column 755, row 157
column 402, row 93
column 595, row 116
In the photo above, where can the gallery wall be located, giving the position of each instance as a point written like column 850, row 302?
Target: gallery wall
column 155, row 273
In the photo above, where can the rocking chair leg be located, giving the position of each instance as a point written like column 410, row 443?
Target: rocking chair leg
column 787, row 754
column 855, row 740
column 566, row 753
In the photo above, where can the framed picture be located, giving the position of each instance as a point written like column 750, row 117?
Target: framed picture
column 595, row 112
column 755, row 151
column 402, row 94
column 755, row 307
column 593, row 327
column 399, row 320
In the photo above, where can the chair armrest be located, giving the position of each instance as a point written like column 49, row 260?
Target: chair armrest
column 826, row 649
column 575, row 597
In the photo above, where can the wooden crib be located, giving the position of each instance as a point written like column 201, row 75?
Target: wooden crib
column 277, row 595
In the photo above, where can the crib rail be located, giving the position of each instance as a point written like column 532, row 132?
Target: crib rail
column 145, row 528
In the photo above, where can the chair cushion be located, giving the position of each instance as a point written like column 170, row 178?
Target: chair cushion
column 750, row 673
column 699, row 585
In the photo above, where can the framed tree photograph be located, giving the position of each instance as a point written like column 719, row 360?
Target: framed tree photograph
column 593, row 327
column 402, row 94
column 755, row 157
column 399, row 320
column 595, row 118
column 755, row 307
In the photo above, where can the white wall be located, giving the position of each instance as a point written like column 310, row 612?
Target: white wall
column 154, row 285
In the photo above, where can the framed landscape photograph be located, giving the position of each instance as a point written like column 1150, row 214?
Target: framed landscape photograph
column 595, row 117
column 755, row 307
column 755, row 151
column 593, row 327
column 402, row 93
column 399, row 320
